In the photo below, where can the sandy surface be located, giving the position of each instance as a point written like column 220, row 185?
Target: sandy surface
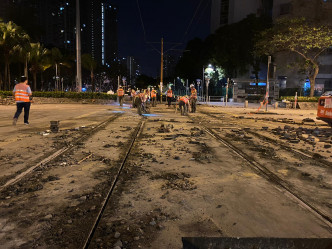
column 177, row 182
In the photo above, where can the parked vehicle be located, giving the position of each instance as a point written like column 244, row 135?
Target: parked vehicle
column 324, row 111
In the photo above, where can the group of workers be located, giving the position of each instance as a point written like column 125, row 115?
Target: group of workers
column 23, row 95
column 141, row 98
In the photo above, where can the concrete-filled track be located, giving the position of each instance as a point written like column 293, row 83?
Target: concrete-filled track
column 287, row 186
column 112, row 186
column 10, row 180
column 139, row 181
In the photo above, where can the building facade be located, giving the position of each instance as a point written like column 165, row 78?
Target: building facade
column 133, row 70
column 99, row 31
column 315, row 11
column 225, row 12
column 57, row 22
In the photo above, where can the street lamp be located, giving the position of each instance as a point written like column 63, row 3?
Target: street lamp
column 208, row 72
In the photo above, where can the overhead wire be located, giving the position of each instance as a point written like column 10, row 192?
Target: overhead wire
column 191, row 21
column 202, row 13
column 143, row 27
column 185, row 33
column 189, row 26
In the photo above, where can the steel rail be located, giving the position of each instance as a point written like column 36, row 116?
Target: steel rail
column 60, row 152
column 269, row 175
column 282, row 145
column 112, row 186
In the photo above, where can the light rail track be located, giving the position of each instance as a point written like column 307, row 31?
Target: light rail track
column 282, row 145
column 59, row 152
column 112, row 186
column 270, row 176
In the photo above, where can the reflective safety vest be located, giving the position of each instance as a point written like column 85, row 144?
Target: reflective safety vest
column 143, row 97
column 21, row 92
column 153, row 94
column 120, row 92
column 184, row 99
column 169, row 93
column 193, row 93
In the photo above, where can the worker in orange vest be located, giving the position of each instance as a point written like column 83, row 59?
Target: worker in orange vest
column 169, row 95
column 120, row 93
column 184, row 105
column 22, row 93
column 133, row 94
column 154, row 97
column 193, row 98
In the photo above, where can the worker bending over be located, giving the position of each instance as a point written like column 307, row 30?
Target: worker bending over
column 184, row 105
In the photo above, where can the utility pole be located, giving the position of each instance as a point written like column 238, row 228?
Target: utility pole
column 187, row 87
column 161, row 70
column 207, row 82
column 202, row 90
column 227, row 91
column 267, row 81
column 78, row 49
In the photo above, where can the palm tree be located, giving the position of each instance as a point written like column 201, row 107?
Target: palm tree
column 11, row 37
column 89, row 64
column 20, row 53
column 38, row 61
column 57, row 59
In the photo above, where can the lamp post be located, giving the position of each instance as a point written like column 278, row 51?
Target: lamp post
column 78, row 49
column 227, row 91
column 202, row 85
column 267, row 81
column 208, row 75
column 198, row 84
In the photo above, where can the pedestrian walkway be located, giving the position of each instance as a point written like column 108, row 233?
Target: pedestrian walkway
column 234, row 104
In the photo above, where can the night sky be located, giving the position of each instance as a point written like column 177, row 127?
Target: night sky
column 162, row 18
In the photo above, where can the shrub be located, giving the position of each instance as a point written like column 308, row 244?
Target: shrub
column 300, row 99
column 69, row 95
column 6, row 93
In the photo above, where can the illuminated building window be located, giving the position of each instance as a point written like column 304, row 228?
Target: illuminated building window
column 102, row 34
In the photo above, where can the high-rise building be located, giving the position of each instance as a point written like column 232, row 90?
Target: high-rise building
column 133, row 70
column 315, row 11
column 99, row 30
column 57, row 21
column 318, row 11
column 225, row 12
column 57, row 18
column 169, row 65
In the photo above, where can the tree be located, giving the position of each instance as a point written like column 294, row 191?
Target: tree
column 89, row 64
column 307, row 40
column 57, row 59
column 191, row 63
column 143, row 81
column 38, row 61
column 235, row 43
column 230, row 47
column 11, row 37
